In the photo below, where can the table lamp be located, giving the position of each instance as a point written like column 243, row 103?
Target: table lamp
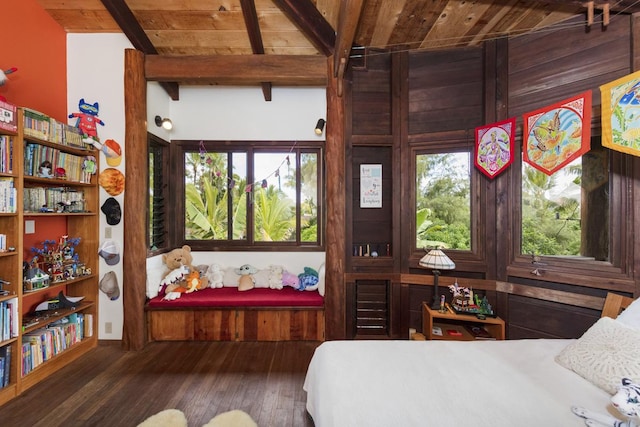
column 436, row 260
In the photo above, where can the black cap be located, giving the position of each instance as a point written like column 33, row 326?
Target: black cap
column 111, row 209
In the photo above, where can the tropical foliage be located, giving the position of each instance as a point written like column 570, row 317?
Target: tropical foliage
column 551, row 211
column 443, row 209
column 216, row 201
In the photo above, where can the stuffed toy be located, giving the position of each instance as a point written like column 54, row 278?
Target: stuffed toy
column 172, row 277
column 87, row 120
column 270, row 277
column 308, row 280
column 246, row 281
column 3, row 74
column 180, row 264
column 215, row 276
column 4, row 79
column 626, row 401
column 290, row 279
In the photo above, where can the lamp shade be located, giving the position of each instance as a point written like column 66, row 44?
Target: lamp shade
column 437, row 260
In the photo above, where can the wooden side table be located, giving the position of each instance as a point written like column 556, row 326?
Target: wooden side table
column 458, row 326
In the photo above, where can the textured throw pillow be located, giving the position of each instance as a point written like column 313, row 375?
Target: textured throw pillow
column 631, row 315
column 607, row 352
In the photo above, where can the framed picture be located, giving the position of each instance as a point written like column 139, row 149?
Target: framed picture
column 620, row 118
column 494, row 147
column 370, row 186
column 554, row 136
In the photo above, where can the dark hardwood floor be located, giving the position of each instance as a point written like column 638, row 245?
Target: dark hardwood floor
column 111, row 387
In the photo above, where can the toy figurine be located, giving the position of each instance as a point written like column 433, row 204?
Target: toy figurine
column 44, row 171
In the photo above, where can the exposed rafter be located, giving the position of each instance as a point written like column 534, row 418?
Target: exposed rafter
column 311, row 22
column 350, row 11
column 136, row 35
column 253, row 28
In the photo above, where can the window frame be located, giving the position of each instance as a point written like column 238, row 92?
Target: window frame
column 180, row 147
column 611, row 274
column 164, row 147
column 474, row 259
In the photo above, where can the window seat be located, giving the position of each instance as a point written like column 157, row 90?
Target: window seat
column 226, row 314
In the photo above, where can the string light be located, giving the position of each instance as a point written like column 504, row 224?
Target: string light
column 202, row 151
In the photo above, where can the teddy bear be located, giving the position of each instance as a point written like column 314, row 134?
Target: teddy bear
column 182, row 272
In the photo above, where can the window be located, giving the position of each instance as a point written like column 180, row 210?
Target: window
column 567, row 214
column 252, row 195
column 157, row 161
column 443, row 201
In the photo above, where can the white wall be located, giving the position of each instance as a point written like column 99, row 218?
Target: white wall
column 95, row 64
column 95, row 72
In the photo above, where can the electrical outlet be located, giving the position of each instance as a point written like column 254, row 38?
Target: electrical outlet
column 29, row 226
column 411, row 332
column 107, row 232
column 108, row 327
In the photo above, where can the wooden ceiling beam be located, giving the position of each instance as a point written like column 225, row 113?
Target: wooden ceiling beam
column 350, row 11
column 131, row 28
column 295, row 70
column 255, row 37
column 308, row 18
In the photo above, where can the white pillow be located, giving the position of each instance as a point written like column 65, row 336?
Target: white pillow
column 631, row 315
column 607, row 352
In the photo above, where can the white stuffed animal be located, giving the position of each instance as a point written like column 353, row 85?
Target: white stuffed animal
column 174, row 276
column 626, row 401
column 3, row 74
column 214, row 273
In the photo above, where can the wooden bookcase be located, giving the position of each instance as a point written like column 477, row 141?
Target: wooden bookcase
column 81, row 222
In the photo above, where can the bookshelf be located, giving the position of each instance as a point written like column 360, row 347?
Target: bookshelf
column 36, row 207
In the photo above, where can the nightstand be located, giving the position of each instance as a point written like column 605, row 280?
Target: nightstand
column 458, row 326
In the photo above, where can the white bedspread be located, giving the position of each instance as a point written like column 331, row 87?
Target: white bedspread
column 446, row 383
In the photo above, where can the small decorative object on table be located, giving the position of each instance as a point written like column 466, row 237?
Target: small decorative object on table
column 464, row 301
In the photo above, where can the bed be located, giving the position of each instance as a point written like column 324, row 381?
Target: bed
column 479, row 383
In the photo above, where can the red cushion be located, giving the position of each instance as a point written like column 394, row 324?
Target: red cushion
column 231, row 297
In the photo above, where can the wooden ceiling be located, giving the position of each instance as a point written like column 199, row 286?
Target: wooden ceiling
column 298, row 35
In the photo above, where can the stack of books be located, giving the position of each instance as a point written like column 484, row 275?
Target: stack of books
column 41, row 126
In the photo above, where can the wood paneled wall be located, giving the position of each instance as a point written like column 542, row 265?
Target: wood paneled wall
column 443, row 96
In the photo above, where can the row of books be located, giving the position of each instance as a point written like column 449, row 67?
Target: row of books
column 8, row 195
column 8, row 319
column 43, row 344
column 35, row 155
column 39, row 125
column 5, row 365
column 52, row 199
column 6, row 154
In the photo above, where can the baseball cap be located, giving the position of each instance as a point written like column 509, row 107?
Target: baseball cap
column 109, row 285
column 110, row 252
column 112, row 152
column 111, row 210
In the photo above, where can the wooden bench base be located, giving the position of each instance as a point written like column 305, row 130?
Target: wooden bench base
column 236, row 324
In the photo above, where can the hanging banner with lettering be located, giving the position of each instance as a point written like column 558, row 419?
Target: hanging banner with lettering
column 620, row 118
column 554, row 136
column 494, row 147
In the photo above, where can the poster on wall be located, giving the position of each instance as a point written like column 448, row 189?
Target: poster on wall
column 494, row 147
column 620, row 118
column 370, row 186
column 556, row 135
